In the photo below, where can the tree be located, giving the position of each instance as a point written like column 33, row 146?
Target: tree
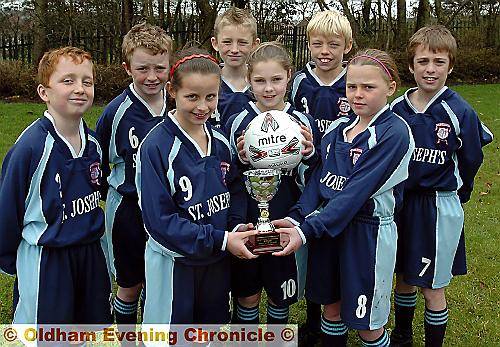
column 127, row 16
column 423, row 14
column 39, row 29
column 401, row 26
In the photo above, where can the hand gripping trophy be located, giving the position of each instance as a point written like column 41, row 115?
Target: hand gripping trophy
column 273, row 141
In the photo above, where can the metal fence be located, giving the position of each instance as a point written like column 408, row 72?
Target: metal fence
column 106, row 47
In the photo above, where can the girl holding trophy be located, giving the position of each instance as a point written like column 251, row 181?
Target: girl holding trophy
column 346, row 212
column 185, row 178
column 269, row 71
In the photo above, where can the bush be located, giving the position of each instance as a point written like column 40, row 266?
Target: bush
column 18, row 81
column 478, row 66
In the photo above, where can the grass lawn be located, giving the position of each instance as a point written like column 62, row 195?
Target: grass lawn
column 473, row 300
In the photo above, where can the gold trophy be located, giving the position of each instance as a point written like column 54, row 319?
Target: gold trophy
column 262, row 185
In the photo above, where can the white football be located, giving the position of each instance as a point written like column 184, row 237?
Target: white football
column 273, row 141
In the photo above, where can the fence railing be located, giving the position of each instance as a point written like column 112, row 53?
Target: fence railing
column 106, row 47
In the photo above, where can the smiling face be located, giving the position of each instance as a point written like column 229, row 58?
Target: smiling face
column 269, row 81
column 328, row 52
column 149, row 72
column 367, row 89
column 195, row 99
column 234, row 43
column 430, row 70
column 70, row 91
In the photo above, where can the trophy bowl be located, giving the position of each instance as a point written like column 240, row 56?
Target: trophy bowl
column 262, row 185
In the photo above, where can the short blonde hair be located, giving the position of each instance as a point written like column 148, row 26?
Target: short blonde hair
column 329, row 23
column 50, row 59
column 146, row 36
column 236, row 16
column 434, row 37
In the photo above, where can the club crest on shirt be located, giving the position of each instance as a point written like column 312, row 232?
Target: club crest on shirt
column 224, row 168
column 442, row 132
column 354, row 153
column 95, row 173
column 344, row 107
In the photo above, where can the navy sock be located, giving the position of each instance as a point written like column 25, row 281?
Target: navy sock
column 125, row 312
column 276, row 314
column 313, row 319
column 404, row 310
column 382, row 341
column 245, row 315
column 435, row 327
column 333, row 333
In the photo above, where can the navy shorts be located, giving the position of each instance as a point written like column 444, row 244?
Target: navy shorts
column 283, row 278
column 68, row 285
column 125, row 229
column 366, row 257
column 177, row 293
column 323, row 267
column 431, row 245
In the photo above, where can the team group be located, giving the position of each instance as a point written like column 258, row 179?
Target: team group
column 379, row 190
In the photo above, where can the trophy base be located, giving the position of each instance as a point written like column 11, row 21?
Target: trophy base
column 264, row 242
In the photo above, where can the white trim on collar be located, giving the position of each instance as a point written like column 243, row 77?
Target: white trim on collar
column 195, row 144
column 131, row 86
column 81, row 132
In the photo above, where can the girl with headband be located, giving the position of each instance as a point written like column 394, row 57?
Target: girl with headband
column 185, row 180
column 349, row 205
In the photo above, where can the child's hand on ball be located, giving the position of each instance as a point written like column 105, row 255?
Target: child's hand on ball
column 308, row 140
column 240, row 144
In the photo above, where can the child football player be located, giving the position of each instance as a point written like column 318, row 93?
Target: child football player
column 186, row 181
column 349, row 203
column 123, row 124
column 449, row 138
column 269, row 71
column 319, row 89
column 235, row 35
column 49, row 203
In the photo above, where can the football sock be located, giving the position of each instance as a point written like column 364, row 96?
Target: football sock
column 142, row 300
column 404, row 310
column 382, row 341
column 276, row 314
column 333, row 333
column 125, row 312
column 435, row 327
column 245, row 315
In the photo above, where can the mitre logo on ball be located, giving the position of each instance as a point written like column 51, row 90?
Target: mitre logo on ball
column 273, row 140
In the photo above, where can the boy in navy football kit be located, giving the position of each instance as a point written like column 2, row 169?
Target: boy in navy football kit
column 186, row 181
column 269, row 70
column 349, row 205
column 235, row 35
column 124, row 123
column 319, row 89
column 448, row 138
column 49, row 203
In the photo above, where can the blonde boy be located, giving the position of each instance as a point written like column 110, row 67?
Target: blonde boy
column 124, row 123
column 319, row 89
column 235, row 35
column 49, row 203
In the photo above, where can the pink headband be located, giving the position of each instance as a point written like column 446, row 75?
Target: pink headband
column 375, row 60
column 189, row 57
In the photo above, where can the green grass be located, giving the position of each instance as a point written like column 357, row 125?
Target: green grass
column 473, row 300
